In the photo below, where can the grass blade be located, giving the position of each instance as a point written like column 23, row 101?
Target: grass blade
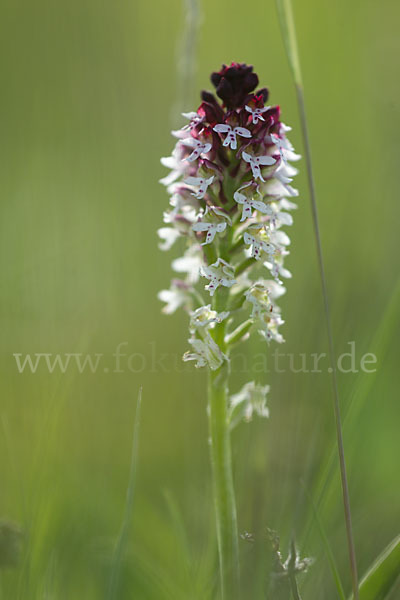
column 381, row 577
column 289, row 36
column 328, row 549
column 121, row 542
column 362, row 388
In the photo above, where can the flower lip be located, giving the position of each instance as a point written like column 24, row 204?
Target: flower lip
column 234, row 83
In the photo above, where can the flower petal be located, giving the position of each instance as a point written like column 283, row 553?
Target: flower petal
column 243, row 132
column 222, row 128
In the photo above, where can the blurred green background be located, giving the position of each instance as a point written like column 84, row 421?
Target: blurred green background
column 87, row 93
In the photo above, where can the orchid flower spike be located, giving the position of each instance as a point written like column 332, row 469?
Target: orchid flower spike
column 230, row 184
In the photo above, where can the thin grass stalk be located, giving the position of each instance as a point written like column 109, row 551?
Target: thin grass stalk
column 289, row 37
column 122, row 538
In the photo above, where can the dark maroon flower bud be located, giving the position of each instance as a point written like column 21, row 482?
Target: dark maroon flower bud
column 212, row 113
column 256, row 101
column 212, row 166
column 234, row 83
column 274, row 112
column 209, row 97
column 264, row 92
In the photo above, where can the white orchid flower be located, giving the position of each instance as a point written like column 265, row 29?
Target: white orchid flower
column 219, row 273
column 258, row 245
column 210, row 228
column 190, row 264
column 257, row 161
column 202, row 184
column 251, row 399
column 230, row 139
column 205, row 316
column 169, row 236
column 256, row 113
column 269, row 327
column 199, row 148
column 175, row 163
column 205, row 352
column 249, row 203
column 178, row 295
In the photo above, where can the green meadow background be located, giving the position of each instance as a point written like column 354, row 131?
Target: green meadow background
column 89, row 93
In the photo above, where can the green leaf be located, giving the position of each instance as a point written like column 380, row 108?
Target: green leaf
column 381, row 577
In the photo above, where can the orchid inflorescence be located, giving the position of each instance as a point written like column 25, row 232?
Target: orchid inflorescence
column 230, row 188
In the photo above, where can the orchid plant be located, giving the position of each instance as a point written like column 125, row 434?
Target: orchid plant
column 230, row 190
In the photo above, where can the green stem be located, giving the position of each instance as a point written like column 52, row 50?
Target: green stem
column 224, row 497
column 248, row 262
